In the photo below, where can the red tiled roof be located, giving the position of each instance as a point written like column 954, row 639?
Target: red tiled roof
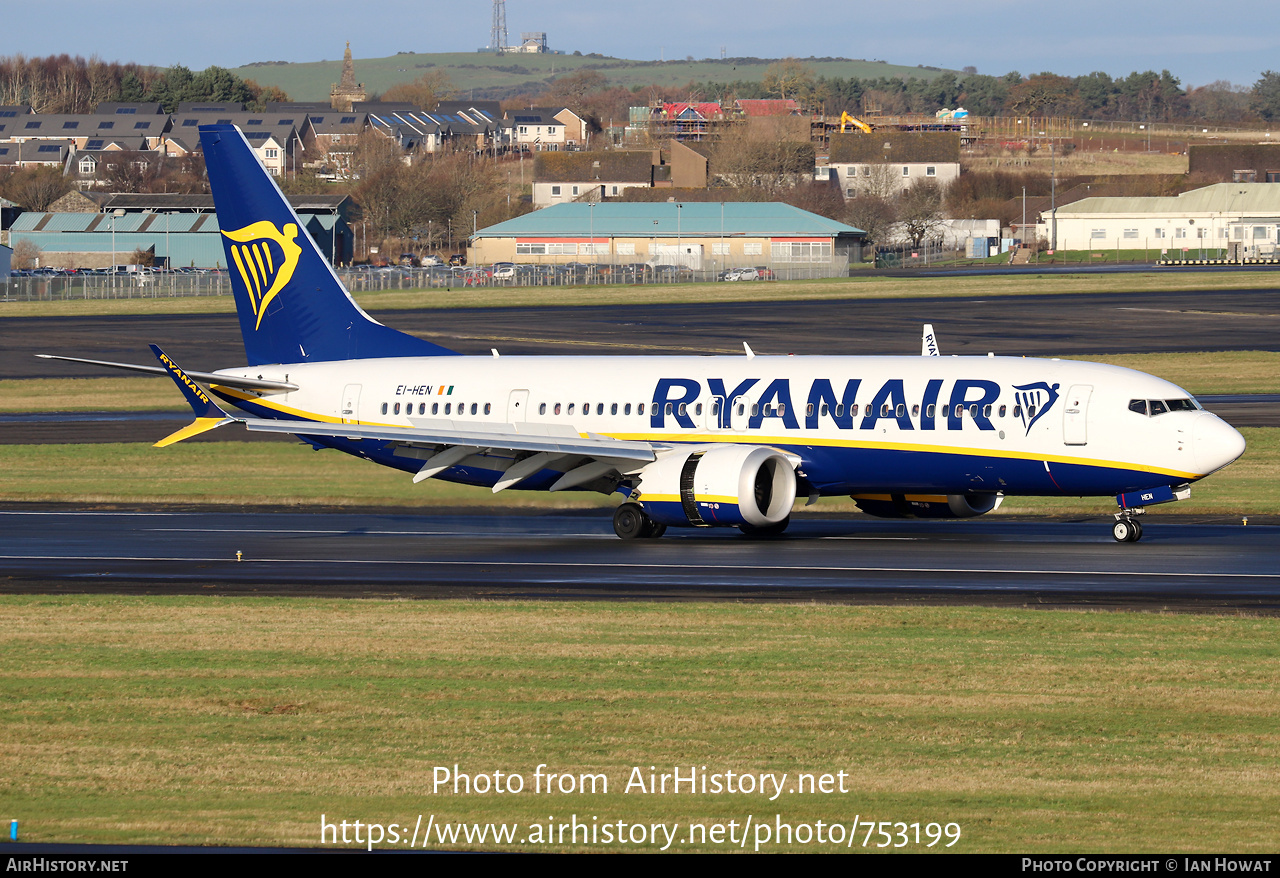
column 705, row 110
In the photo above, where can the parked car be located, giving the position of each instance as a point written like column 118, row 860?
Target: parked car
column 504, row 271
column 458, row 259
column 741, row 274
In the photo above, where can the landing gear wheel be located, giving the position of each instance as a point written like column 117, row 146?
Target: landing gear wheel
column 653, row 530
column 1126, row 530
column 631, row 523
column 765, row 530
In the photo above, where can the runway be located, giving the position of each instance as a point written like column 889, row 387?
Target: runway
column 1033, row 326
column 576, row 556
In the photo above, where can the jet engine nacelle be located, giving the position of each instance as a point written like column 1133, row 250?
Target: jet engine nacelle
column 725, row 486
column 927, row 505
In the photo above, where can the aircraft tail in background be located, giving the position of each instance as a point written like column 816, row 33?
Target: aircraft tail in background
column 292, row 306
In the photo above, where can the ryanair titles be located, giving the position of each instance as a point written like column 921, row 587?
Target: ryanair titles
column 754, row 400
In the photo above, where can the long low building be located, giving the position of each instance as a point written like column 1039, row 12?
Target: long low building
column 1242, row 219
column 697, row 235
column 179, row 230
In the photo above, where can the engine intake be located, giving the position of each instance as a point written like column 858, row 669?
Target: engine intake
column 724, row 486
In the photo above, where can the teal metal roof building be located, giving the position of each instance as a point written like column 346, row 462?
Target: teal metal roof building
column 180, row 240
column 696, row 235
column 696, row 219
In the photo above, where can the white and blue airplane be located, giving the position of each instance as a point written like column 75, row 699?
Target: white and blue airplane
column 685, row 441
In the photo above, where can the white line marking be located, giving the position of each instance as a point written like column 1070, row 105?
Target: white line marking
column 664, row 567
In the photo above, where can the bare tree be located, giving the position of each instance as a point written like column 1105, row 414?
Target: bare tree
column 424, row 92
column 871, row 213
column 789, row 78
column 920, row 211
column 26, row 254
column 35, row 188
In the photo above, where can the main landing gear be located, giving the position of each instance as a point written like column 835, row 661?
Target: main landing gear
column 765, row 530
column 631, row 522
column 1126, row 529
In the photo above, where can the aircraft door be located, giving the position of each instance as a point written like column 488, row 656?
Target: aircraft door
column 517, row 402
column 350, row 410
column 739, row 413
column 1075, row 415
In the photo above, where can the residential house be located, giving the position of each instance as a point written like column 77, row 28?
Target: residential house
column 887, row 163
column 590, row 176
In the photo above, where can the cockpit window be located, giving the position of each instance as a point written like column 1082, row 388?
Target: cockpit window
column 1155, row 407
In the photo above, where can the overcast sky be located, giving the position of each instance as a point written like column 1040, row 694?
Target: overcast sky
column 1198, row 42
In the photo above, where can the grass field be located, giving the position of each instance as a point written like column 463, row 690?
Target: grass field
column 770, row 291
column 241, row 721
column 272, row 473
column 469, row 71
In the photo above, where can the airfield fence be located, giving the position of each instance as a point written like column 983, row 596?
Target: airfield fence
column 63, row 287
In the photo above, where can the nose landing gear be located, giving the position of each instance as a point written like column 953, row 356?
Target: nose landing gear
column 1127, row 529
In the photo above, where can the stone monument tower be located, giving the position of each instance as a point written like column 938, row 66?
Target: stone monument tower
column 342, row 95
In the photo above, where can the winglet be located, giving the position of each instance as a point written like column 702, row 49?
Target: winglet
column 208, row 414
column 929, row 342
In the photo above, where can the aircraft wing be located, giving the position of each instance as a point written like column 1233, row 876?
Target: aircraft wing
column 503, row 437
column 584, row 458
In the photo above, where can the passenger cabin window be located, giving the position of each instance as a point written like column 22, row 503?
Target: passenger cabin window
column 384, row 408
column 626, row 409
column 435, row 408
column 542, row 409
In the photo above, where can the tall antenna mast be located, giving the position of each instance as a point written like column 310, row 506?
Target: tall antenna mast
column 498, row 39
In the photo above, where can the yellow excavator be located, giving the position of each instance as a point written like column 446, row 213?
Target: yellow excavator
column 847, row 121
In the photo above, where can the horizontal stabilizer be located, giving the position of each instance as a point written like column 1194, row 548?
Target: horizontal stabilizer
column 210, row 377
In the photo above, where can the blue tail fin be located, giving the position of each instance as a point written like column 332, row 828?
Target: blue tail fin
column 292, row 306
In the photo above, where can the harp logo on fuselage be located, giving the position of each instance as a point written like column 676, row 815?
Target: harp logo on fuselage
column 266, row 258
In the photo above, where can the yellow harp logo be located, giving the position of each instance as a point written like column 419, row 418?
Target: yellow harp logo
column 264, row 268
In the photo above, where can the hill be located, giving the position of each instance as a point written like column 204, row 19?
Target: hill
column 494, row 76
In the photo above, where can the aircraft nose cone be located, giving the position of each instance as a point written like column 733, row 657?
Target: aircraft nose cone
column 1214, row 443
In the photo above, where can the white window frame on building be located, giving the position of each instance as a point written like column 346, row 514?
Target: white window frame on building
column 1097, row 234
